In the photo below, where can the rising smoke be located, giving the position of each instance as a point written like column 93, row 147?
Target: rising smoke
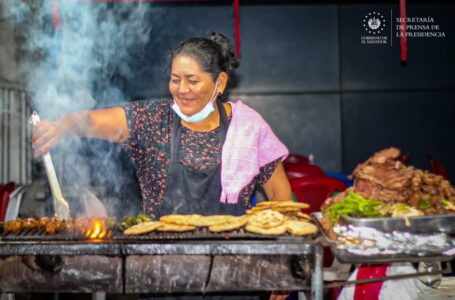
column 70, row 50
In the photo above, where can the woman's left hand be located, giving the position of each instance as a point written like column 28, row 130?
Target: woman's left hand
column 279, row 295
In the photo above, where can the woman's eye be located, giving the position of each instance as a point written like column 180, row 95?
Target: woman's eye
column 193, row 81
column 175, row 81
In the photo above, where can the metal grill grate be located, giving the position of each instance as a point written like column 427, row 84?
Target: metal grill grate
column 204, row 234
column 41, row 235
column 198, row 234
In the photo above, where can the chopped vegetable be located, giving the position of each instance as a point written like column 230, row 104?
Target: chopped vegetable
column 130, row 220
column 424, row 204
column 448, row 204
column 354, row 205
column 111, row 223
column 143, row 218
column 404, row 210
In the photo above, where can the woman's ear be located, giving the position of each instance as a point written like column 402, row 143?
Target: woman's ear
column 222, row 83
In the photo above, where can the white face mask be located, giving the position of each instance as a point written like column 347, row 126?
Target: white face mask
column 202, row 114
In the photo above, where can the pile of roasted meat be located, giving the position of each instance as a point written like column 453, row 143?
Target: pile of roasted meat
column 389, row 188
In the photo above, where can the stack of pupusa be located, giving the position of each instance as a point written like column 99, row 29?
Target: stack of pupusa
column 267, row 218
column 278, row 217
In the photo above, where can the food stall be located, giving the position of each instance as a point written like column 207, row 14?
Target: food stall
column 323, row 100
column 193, row 253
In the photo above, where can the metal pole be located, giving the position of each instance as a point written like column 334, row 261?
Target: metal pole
column 28, row 150
column 317, row 284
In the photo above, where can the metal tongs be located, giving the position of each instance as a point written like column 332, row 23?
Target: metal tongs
column 61, row 207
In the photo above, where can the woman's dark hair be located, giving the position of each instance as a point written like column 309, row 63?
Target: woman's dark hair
column 214, row 55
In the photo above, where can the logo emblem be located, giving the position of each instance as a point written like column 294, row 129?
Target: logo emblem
column 374, row 23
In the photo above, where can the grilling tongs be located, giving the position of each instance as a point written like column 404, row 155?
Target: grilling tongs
column 61, row 207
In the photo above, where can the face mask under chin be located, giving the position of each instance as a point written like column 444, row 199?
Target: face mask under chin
column 202, row 114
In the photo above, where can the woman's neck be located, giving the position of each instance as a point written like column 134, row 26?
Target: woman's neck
column 211, row 122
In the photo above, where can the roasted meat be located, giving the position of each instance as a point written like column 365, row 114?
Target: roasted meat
column 12, row 226
column 382, row 177
column 30, row 223
column 43, row 221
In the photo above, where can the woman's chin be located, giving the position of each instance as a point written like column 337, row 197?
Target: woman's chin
column 187, row 107
column 187, row 112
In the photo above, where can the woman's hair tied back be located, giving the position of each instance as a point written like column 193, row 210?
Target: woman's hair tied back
column 214, row 55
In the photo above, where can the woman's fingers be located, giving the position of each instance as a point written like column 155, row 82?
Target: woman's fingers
column 44, row 138
column 41, row 127
column 46, row 147
column 45, row 135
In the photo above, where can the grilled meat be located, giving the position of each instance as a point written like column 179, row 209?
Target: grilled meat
column 43, row 221
column 382, row 177
column 70, row 226
column 55, row 225
column 12, row 226
column 82, row 224
column 30, row 223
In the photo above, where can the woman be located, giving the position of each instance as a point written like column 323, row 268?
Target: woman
column 195, row 154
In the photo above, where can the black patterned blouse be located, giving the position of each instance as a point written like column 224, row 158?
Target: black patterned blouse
column 150, row 126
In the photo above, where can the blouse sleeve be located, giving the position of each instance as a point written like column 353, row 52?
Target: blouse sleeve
column 148, row 123
column 266, row 171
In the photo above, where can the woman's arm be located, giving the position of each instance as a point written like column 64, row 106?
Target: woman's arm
column 107, row 124
column 277, row 188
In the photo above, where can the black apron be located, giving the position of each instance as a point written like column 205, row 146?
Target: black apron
column 191, row 191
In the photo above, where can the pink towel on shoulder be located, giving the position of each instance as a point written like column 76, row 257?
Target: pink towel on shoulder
column 250, row 144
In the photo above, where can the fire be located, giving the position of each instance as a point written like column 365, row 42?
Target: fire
column 95, row 228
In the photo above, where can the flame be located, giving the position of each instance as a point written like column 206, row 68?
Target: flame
column 95, row 228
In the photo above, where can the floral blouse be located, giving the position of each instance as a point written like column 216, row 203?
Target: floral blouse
column 149, row 146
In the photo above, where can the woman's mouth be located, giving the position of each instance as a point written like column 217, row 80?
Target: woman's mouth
column 186, row 100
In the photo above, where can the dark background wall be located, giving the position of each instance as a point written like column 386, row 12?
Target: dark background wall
column 323, row 92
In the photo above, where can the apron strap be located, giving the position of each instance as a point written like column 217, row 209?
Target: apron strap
column 175, row 140
column 224, row 122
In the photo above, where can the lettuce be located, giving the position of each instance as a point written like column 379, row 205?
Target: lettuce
column 354, row 205
column 448, row 204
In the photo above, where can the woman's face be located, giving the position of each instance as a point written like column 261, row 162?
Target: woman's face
column 191, row 87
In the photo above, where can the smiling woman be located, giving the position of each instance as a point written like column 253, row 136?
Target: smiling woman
column 192, row 88
column 196, row 153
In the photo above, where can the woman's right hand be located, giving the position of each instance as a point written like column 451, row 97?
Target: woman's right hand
column 45, row 135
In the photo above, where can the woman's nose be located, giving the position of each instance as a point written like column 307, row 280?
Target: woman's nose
column 183, row 87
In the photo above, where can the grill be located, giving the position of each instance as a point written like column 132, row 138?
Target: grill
column 159, row 262
column 199, row 234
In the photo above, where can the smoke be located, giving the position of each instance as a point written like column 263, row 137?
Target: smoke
column 68, row 57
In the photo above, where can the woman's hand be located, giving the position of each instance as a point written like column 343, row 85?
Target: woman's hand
column 45, row 135
column 106, row 124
